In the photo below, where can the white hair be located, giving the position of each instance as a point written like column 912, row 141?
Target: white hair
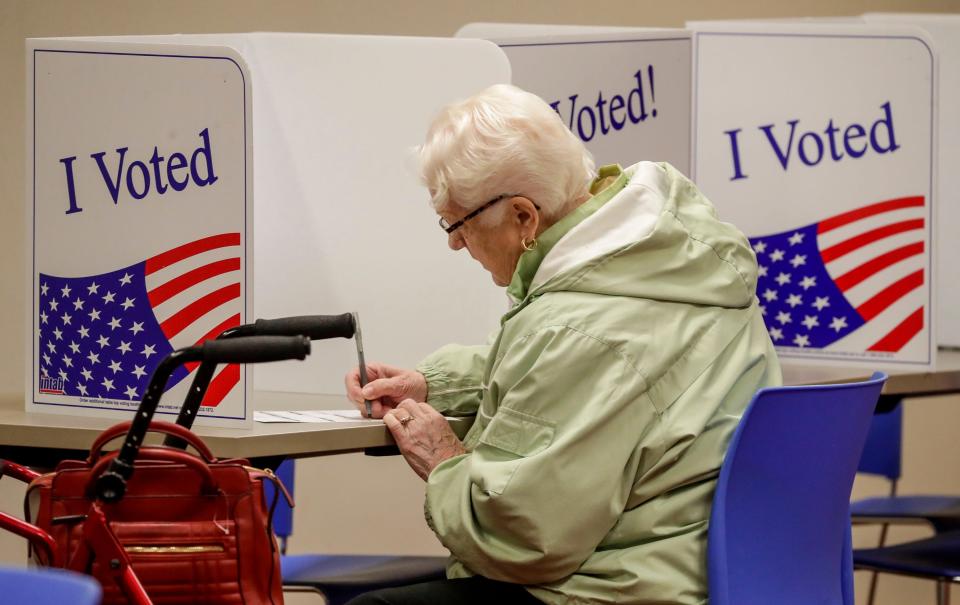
column 504, row 140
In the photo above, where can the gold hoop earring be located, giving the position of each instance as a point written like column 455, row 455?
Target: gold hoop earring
column 528, row 247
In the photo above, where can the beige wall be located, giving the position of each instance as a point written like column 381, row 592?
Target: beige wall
column 353, row 503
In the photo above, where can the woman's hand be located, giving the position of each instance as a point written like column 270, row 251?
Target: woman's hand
column 423, row 435
column 387, row 387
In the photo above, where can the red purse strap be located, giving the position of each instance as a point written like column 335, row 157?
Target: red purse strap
column 156, row 426
column 161, row 454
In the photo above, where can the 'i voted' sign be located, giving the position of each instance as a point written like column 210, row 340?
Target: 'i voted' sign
column 139, row 209
column 819, row 143
column 625, row 94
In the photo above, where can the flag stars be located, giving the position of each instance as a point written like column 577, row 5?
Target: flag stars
column 148, row 350
column 74, row 347
column 57, row 334
column 92, row 288
column 782, row 278
column 798, row 260
column 94, row 358
column 838, row 323
column 821, row 302
column 770, row 295
column 68, row 361
column 107, row 384
column 760, row 247
column 137, row 327
column 776, row 255
column 124, row 347
column 794, row 299
column 87, row 374
column 114, row 323
column 115, row 366
column 82, row 388
column 127, row 303
column 125, row 279
column 53, row 304
column 763, row 309
column 810, row 321
column 801, row 340
column 103, row 341
column 796, row 238
column 52, row 347
column 94, row 315
column 77, row 304
column 44, row 288
column 84, row 332
column 784, row 318
column 762, row 271
column 66, row 317
column 62, row 374
column 43, row 317
column 139, row 371
column 46, row 359
column 776, row 334
column 808, row 282
column 108, row 297
column 131, row 392
column 65, row 290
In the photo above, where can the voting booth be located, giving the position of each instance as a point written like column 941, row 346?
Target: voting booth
column 819, row 141
column 181, row 185
column 624, row 92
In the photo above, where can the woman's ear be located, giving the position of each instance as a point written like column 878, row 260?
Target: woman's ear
column 526, row 215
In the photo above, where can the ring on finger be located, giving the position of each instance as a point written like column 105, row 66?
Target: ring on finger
column 405, row 420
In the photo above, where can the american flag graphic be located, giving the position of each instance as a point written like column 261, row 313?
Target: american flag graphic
column 101, row 336
column 859, row 274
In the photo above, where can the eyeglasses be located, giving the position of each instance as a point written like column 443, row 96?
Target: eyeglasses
column 451, row 227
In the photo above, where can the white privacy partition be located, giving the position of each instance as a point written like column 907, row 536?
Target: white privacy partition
column 818, row 141
column 333, row 220
column 625, row 92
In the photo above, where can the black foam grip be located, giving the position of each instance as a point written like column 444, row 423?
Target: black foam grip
column 256, row 349
column 315, row 327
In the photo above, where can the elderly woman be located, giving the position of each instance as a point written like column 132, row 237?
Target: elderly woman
column 605, row 401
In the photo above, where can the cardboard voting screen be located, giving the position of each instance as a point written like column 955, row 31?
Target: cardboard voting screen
column 818, row 141
column 139, row 214
column 624, row 92
column 341, row 220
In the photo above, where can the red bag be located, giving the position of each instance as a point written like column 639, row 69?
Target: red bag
column 194, row 529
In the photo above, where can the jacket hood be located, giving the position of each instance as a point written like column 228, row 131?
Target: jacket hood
column 651, row 234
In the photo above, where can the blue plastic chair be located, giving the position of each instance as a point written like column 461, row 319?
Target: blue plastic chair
column 936, row 558
column 339, row 578
column 882, row 457
column 47, row 586
column 780, row 526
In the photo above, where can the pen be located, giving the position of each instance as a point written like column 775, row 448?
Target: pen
column 363, row 365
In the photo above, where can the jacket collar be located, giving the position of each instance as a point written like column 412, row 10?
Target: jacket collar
column 603, row 190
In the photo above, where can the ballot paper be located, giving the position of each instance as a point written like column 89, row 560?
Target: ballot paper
column 312, row 416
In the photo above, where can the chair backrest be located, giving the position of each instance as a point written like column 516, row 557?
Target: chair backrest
column 282, row 514
column 780, row 526
column 882, row 452
column 46, row 586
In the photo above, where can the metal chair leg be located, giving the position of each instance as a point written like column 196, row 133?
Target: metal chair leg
column 873, row 575
column 881, row 544
column 943, row 592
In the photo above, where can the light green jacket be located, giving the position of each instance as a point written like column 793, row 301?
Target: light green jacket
column 606, row 401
